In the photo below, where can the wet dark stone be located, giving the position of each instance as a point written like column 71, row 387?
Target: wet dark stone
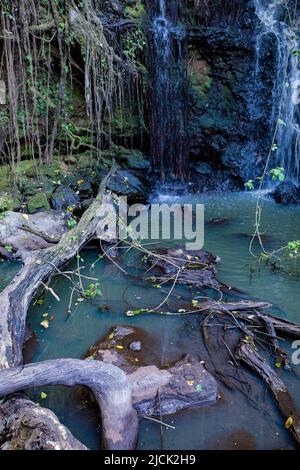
column 128, row 183
column 286, row 193
column 64, row 197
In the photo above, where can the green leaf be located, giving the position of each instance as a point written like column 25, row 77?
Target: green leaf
column 199, row 388
column 249, row 185
column 43, row 395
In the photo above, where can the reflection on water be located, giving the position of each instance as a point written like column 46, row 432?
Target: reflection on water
column 214, row 427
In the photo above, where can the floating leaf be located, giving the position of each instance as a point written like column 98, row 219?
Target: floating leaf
column 45, row 315
column 79, row 182
column 43, row 395
column 119, row 346
column 25, row 216
column 278, row 365
column 195, row 303
column 44, row 324
column 111, row 336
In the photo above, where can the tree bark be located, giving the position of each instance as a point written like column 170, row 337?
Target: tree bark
column 24, row 425
column 109, row 384
column 38, row 267
column 246, row 353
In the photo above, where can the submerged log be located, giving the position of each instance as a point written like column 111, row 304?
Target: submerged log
column 282, row 326
column 108, row 383
column 38, row 267
column 193, row 267
column 24, row 425
column 249, row 355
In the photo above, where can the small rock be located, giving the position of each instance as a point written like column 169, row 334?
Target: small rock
column 135, row 346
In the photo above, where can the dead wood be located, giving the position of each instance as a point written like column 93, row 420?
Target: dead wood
column 247, row 353
column 109, row 385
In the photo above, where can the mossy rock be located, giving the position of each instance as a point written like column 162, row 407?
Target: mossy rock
column 133, row 159
column 6, row 174
column 136, row 11
column 29, row 186
column 54, row 171
column 9, row 202
column 37, row 203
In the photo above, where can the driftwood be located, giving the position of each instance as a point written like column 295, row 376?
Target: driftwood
column 214, row 307
column 249, row 355
column 40, row 266
column 24, row 425
column 108, row 383
column 282, row 326
column 197, row 268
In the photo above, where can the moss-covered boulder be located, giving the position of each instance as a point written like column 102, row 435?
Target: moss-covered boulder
column 31, row 186
column 9, row 201
column 133, row 159
column 38, row 203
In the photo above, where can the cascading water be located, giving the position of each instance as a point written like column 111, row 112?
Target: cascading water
column 285, row 115
column 168, row 90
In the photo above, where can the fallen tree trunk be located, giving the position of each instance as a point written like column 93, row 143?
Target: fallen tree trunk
column 246, row 353
column 24, row 425
column 109, row 384
column 38, row 267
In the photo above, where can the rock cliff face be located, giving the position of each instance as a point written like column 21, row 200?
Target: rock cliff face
column 230, row 101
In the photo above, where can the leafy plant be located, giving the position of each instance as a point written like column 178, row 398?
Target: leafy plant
column 92, row 291
column 71, row 223
column 293, row 248
column 249, row 185
column 277, row 174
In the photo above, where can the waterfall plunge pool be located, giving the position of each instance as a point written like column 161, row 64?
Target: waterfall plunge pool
column 233, row 422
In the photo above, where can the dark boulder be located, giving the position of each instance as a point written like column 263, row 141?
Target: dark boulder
column 64, row 197
column 286, row 193
column 128, row 183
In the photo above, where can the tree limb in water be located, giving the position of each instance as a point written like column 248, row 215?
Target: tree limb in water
column 109, row 384
column 248, row 354
column 25, row 425
column 39, row 266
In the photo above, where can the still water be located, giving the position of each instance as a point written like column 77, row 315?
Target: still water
column 233, row 422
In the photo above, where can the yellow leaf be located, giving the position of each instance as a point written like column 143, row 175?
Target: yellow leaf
column 79, row 182
column 119, row 346
column 25, row 216
column 111, row 336
column 190, row 382
column 289, row 423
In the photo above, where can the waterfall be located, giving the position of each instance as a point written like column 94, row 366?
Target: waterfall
column 285, row 115
column 168, row 90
